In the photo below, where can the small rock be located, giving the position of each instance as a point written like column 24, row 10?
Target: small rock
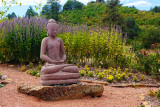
column 52, row 93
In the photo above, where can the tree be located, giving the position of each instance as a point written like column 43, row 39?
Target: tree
column 100, row 1
column 11, row 16
column 30, row 12
column 133, row 29
column 156, row 9
column 72, row 4
column 52, row 10
column 112, row 14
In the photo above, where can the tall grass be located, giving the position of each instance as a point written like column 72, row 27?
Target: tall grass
column 95, row 46
column 20, row 41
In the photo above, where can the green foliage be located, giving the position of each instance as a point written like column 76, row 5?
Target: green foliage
column 82, row 72
column 113, row 15
column 72, row 4
column 149, row 36
column 1, row 85
column 133, row 29
column 51, row 11
column 158, row 94
column 89, row 14
column 100, row 76
column 34, row 73
column 30, row 12
column 20, row 39
column 148, row 63
column 130, row 10
column 39, row 67
column 38, row 75
column 30, row 65
column 90, row 74
column 98, row 48
column 135, row 78
column 11, row 16
column 156, row 9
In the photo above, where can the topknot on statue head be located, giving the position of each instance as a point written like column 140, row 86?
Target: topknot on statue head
column 52, row 24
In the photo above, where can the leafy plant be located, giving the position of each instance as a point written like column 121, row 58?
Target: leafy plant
column 110, row 78
column 82, row 72
column 30, row 65
column 34, row 72
column 37, row 75
column 90, row 74
column 21, row 38
column 142, row 77
column 100, row 76
column 158, row 94
column 1, row 85
column 135, row 79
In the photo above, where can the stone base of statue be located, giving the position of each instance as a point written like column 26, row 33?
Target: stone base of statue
column 53, row 93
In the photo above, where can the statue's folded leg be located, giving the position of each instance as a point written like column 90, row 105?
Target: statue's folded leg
column 52, row 69
column 70, row 69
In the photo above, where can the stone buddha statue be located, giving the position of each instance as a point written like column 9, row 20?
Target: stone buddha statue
column 55, row 71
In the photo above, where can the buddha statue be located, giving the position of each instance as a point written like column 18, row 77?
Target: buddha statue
column 56, row 71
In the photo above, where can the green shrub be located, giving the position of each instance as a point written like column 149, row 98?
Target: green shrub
column 34, row 72
column 148, row 63
column 20, row 39
column 30, row 65
column 82, row 72
column 100, row 47
column 149, row 36
column 100, row 76
column 135, row 79
column 158, row 94
column 90, row 74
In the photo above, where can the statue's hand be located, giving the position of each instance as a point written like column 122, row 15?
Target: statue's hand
column 58, row 62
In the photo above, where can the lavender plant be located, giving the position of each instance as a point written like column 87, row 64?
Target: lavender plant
column 20, row 39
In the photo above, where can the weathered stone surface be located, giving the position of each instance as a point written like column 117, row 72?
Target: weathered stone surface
column 52, row 93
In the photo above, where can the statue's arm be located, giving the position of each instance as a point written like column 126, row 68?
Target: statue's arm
column 43, row 55
column 62, row 50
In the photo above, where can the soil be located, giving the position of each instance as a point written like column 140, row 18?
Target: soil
column 112, row 97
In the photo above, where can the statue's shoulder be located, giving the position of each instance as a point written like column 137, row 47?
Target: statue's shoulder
column 45, row 39
column 59, row 39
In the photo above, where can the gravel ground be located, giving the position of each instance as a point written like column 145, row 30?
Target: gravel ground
column 112, row 97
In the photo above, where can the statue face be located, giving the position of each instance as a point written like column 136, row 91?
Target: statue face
column 52, row 30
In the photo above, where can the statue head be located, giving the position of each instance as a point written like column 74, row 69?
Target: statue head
column 52, row 28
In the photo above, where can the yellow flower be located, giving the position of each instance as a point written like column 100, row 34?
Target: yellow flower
column 1, row 0
column 159, row 61
column 20, row 4
column 16, row 2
